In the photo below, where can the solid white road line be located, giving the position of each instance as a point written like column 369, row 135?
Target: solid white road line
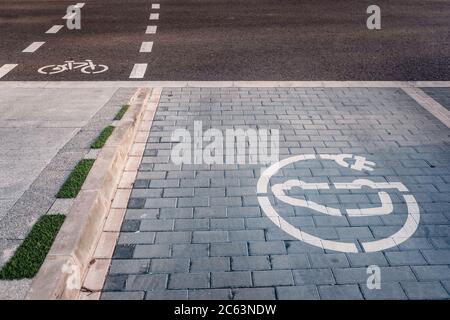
column 146, row 46
column 155, row 6
column 138, row 71
column 429, row 104
column 154, row 16
column 151, row 29
column 4, row 69
column 55, row 28
column 33, row 47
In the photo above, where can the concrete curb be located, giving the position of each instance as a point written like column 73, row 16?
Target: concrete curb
column 69, row 257
column 221, row 84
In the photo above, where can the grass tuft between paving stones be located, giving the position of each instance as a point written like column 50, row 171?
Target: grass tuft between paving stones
column 102, row 138
column 121, row 112
column 73, row 184
column 30, row 255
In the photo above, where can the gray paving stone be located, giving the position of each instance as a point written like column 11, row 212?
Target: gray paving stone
column 273, row 278
column 156, row 225
column 210, row 294
column 210, row 264
column 167, row 295
column 241, row 212
column 176, row 213
column 130, row 226
column 123, row 251
column 250, row 263
column 328, row 260
column 146, row 282
column 229, row 249
column 446, row 284
column 160, row 203
column 140, row 214
column 437, row 256
column 136, row 238
column 253, row 294
column 169, row 265
column 365, row 259
column 313, row 276
column 125, row 295
column 246, row 235
column 129, row 266
column 194, row 202
column 429, row 273
column 360, row 275
column 298, row 293
column 136, row 203
column 387, row 291
column 209, row 236
column 405, row 258
column 301, row 247
column 231, row 279
column 190, row 250
column 115, row 282
column 188, row 281
column 173, row 237
column 267, row 247
column 425, row 290
column 210, row 212
column 291, row 261
column 227, row 224
column 152, row 251
column 340, row 292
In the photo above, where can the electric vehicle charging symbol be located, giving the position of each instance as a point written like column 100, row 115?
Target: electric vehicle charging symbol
column 353, row 162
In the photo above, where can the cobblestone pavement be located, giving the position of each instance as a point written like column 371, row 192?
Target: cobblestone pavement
column 199, row 232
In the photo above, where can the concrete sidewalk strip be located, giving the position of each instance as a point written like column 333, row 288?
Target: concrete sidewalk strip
column 202, row 233
column 97, row 270
column 73, row 250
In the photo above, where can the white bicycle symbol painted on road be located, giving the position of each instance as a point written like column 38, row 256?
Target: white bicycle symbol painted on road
column 359, row 164
column 86, row 66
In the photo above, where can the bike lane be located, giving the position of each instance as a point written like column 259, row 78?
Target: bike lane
column 363, row 180
column 108, row 36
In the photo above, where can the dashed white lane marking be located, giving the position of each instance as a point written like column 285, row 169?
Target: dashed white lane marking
column 6, row 68
column 146, row 46
column 155, row 6
column 154, row 16
column 55, row 28
column 33, row 47
column 138, row 71
column 151, row 29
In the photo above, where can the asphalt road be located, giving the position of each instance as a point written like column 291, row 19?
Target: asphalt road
column 232, row 39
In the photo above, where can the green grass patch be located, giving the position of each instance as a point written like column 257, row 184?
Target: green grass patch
column 30, row 255
column 102, row 137
column 73, row 184
column 121, row 112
